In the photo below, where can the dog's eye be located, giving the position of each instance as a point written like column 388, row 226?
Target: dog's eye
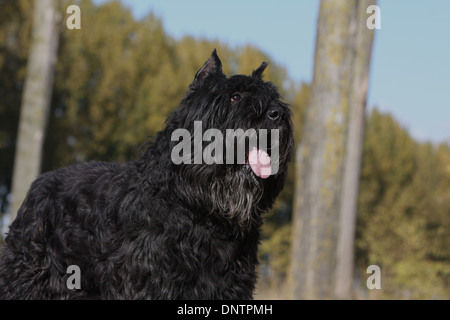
column 235, row 97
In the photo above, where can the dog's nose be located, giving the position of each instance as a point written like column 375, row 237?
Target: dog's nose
column 273, row 114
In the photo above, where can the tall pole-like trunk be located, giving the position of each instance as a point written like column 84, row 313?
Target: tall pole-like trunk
column 363, row 42
column 36, row 99
column 327, row 153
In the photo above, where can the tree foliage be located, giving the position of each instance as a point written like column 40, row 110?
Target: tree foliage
column 403, row 221
column 15, row 32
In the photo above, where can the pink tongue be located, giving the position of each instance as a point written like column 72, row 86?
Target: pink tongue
column 259, row 161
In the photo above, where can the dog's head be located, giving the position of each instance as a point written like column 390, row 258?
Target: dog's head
column 232, row 140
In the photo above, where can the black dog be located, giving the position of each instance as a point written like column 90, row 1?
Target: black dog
column 158, row 227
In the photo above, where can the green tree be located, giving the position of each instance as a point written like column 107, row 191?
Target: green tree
column 113, row 84
column 328, row 157
column 403, row 221
column 36, row 99
column 15, row 34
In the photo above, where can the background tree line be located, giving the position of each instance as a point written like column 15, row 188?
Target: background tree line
column 118, row 78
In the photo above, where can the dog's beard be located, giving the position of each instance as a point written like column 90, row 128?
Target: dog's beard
column 236, row 195
column 230, row 191
column 234, row 186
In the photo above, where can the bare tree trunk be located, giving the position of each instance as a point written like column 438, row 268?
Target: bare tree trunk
column 324, row 177
column 362, row 41
column 36, row 99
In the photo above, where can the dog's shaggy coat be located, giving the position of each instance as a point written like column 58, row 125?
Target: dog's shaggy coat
column 151, row 229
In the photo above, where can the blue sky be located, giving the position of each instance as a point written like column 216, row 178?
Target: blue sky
column 410, row 64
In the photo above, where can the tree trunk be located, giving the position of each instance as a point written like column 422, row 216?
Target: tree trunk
column 329, row 156
column 363, row 41
column 36, row 99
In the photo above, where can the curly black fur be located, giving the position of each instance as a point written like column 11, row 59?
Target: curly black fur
column 150, row 229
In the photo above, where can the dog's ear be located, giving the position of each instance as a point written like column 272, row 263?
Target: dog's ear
column 259, row 72
column 211, row 67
